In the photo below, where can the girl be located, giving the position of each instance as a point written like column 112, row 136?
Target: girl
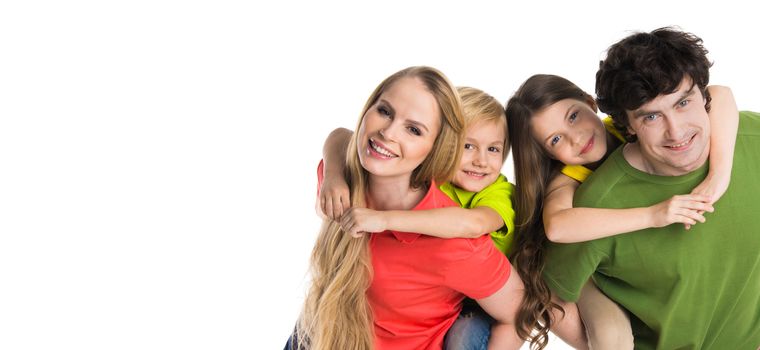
column 558, row 140
column 400, row 289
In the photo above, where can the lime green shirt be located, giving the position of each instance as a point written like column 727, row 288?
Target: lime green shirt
column 695, row 289
column 496, row 196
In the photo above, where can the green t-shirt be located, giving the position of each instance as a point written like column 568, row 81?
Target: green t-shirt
column 695, row 289
column 496, row 196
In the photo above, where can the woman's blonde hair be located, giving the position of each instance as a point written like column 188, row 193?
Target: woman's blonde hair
column 478, row 106
column 336, row 313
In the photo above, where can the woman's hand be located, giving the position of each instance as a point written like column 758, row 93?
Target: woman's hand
column 334, row 197
column 686, row 209
column 357, row 221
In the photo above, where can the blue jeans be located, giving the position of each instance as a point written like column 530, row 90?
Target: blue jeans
column 471, row 329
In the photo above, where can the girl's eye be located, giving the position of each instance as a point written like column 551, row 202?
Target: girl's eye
column 573, row 116
column 469, row 146
column 555, row 139
column 415, row 130
column 494, row 149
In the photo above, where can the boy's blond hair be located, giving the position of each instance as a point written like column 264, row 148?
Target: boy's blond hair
column 478, row 106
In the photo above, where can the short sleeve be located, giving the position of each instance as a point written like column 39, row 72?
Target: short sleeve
column 482, row 272
column 569, row 266
column 498, row 196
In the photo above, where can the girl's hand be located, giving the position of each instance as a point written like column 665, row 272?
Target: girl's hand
column 686, row 209
column 357, row 221
column 713, row 187
column 334, row 197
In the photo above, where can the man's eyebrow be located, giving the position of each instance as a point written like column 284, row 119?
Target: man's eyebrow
column 642, row 112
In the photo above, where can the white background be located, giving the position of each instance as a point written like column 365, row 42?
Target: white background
column 157, row 158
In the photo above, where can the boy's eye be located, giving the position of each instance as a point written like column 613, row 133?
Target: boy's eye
column 469, row 146
column 555, row 139
column 683, row 103
column 415, row 130
column 494, row 149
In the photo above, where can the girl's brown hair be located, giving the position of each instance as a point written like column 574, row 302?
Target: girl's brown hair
column 534, row 169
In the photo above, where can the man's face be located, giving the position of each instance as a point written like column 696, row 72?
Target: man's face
column 673, row 131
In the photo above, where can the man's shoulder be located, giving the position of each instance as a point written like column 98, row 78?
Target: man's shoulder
column 749, row 123
column 601, row 184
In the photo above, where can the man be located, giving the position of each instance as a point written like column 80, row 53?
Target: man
column 695, row 289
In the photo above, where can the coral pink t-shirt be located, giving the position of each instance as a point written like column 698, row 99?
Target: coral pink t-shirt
column 419, row 281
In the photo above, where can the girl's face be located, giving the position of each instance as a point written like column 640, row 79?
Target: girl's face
column 571, row 132
column 483, row 155
column 399, row 130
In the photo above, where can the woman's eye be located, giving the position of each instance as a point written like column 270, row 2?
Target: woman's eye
column 554, row 140
column 384, row 111
column 415, row 130
column 469, row 146
column 651, row 117
column 494, row 149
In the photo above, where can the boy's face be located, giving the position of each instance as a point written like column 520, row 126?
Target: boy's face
column 483, row 155
column 673, row 131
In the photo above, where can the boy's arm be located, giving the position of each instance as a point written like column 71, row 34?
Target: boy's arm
column 449, row 222
column 334, row 195
column 724, row 124
column 565, row 224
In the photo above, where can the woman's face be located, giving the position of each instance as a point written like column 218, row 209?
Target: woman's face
column 571, row 132
column 398, row 131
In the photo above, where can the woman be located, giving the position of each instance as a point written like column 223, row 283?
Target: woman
column 400, row 289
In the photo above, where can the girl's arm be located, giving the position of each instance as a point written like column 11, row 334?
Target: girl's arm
column 724, row 123
column 334, row 196
column 450, row 222
column 565, row 224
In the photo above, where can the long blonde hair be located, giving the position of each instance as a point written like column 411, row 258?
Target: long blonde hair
column 336, row 313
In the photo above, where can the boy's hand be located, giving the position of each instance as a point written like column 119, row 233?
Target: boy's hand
column 334, row 197
column 357, row 221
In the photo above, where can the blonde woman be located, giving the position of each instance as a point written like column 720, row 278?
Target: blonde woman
column 403, row 290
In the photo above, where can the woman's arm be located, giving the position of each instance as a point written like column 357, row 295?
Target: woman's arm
column 450, row 222
column 724, row 123
column 334, row 196
column 503, row 306
column 565, row 224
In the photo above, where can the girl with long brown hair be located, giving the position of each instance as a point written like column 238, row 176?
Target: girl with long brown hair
column 399, row 289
